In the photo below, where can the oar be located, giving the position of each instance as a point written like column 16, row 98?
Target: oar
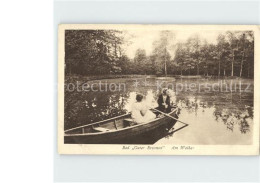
column 171, row 117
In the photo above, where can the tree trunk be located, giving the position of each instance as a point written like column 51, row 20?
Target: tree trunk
column 115, row 50
column 219, row 68
column 120, row 52
column 248, row 69
column 224, row 68
column 207, row 69
column 242, row 61
column 232, row 65
column 243, row 55
column 165, row 66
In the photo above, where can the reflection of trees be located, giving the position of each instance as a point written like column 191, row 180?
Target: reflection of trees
column 192, row 104
column 234, row 116
column 87, row 107
column 100, row 106
column 230, row 113
column 244, row 126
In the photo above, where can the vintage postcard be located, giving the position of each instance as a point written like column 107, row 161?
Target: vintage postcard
column 158, row 89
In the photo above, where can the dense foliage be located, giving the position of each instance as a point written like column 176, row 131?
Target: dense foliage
column 233, row 55
column 100, row 52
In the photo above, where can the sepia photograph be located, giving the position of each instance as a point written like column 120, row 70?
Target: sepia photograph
column 158, row 89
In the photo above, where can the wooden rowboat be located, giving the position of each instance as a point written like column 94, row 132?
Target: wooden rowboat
column 121, row 130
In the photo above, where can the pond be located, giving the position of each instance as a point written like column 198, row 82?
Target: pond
column 218, row 111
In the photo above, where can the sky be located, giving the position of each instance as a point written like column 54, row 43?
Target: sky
column 144, row 39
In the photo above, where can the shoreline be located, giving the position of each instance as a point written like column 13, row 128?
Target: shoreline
column 103, row 77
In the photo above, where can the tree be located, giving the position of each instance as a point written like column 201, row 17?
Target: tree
column 140, row 61
column 249, row 55
column 99, row 52
column 246, row 49
column 233, row 46
column 206, row 57
column 161, row 51
column 194, row 45
column 92, row 51
column 182, row 58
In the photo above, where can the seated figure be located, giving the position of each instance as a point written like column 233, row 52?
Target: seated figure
column 141, row 112
column 164, row 102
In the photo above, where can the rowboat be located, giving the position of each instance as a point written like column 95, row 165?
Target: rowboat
column 122, row 130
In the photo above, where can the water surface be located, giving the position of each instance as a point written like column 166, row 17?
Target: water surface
column 219, row 111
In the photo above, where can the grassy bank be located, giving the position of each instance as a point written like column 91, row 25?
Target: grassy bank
column 100, row 77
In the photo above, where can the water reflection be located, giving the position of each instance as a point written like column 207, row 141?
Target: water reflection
column 232, row 109
column 230, row 116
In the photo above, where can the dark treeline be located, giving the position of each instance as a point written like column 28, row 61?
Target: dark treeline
column 233, row 55
column 100, row 52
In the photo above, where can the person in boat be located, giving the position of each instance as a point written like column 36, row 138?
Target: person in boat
column 140, row 111
column 164, row 101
